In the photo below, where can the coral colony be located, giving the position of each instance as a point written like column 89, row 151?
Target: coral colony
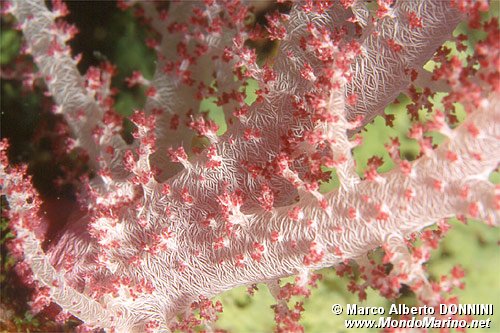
column 165, row 225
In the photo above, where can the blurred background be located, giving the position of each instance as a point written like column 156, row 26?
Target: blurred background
column 110, row 34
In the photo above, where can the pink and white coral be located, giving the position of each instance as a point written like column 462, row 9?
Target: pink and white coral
column 166, row 227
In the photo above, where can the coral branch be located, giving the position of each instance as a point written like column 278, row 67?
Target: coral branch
column 25, row 222
column 175, row 224
column 393, row 48
column 46, row 39
column 382, row 209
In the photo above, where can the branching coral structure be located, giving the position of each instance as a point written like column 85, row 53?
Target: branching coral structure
column 165, row 225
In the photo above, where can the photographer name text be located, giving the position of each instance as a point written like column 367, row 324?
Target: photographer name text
column 403, row 309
